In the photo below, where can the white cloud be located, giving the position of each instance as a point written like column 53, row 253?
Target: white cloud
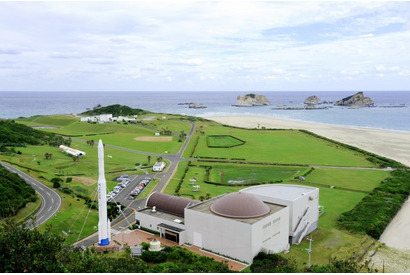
column 235, row 43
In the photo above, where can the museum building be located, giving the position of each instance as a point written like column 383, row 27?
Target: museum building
column 238, row 225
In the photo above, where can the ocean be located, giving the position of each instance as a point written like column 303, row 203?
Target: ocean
column 384, row 116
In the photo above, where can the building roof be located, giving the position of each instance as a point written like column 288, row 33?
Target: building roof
column 287, row 192
column 240, row 206
column 169, row 204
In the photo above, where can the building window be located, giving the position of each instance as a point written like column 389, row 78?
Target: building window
column 267, row 225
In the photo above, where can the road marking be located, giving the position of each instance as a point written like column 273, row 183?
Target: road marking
column 48, row 194
column 50, row 208
column 41, row 217
column 52, row 200
column 41, row 188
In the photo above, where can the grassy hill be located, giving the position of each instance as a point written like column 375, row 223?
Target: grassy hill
column 15, row 134
column 116, row 110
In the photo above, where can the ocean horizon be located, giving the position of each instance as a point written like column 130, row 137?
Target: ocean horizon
column 391, row 111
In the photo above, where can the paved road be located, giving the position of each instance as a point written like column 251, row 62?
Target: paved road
column 51, row 200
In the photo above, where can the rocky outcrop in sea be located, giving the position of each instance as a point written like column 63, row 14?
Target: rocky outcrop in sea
column 250, row 100
column 357, row 100
column 312, row 100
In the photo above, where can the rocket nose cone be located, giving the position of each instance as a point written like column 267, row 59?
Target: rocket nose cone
column 100, row 144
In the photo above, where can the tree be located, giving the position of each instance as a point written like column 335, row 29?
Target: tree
column 149, row 159
column 48, row 155
column 159, row 159
column 24, row 250
column 56, row 182
column 182, row 134
column 76, row 158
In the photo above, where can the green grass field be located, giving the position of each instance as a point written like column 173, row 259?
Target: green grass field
column 280, row 146
column 247, row 173
column 223, row 141
column 360, row 180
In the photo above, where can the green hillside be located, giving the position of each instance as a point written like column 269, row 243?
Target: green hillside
column 116, row 110
column 14, row 193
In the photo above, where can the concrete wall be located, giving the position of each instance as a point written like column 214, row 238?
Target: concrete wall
column 151, row 222
column 236, row 239
column 271, row 233
column 221, row 235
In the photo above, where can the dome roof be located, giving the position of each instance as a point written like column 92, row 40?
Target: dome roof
column 169, row 204
column 240, row 206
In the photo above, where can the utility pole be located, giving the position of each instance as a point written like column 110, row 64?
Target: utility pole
column 309, row 250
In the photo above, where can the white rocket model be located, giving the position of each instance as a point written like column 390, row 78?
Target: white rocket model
column 104, row 224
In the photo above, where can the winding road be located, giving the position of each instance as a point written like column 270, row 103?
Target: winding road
column 51, row 200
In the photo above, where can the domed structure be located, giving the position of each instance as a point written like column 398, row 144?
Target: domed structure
column 240, row 206
column 154, row 245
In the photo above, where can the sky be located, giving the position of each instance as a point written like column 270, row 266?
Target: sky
column 204, row 46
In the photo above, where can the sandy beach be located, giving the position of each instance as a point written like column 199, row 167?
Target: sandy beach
column 391, row 144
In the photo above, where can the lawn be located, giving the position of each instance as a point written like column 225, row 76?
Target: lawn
column 75, row 216
column 222, row 141
column 277, row 146
column 361, row 180
column 119, row 134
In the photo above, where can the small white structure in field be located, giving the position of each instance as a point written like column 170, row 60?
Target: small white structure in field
column 157, row 134
column 158, row 166
column 71, row 151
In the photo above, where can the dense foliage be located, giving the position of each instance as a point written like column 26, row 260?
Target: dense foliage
column 375, row 211
column 274, row 263
column 116, row 110
column 15, row 134
column 14, row 193
column 25, row 250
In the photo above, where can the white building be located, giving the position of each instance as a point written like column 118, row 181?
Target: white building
column 98, row 118
column 71, row 151
column 238, row 225
column 158, row 166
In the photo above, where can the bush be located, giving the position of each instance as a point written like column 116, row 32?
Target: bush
column 375, row 211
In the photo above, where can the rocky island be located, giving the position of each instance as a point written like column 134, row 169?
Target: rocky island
column 312, row 100
column 357, row 100
column 250, row 100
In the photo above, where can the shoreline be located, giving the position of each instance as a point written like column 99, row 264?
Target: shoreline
column 392, row 144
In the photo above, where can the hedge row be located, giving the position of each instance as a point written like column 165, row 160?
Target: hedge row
column 182, row 179
column 375, row 211
column 373, row 158
column 194, row 147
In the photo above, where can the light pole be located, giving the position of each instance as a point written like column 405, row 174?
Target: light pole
column 309, row 250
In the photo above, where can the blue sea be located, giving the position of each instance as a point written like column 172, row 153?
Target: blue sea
column 383, row 116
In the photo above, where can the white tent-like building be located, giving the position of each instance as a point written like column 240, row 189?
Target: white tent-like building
column 238, row 225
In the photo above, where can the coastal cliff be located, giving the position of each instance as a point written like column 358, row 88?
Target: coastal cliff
column 250, row 100
column 357, row 100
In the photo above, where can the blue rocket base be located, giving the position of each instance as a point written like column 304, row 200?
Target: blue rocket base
column 104, row 242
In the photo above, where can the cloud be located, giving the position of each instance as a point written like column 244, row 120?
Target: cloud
column 231, row 43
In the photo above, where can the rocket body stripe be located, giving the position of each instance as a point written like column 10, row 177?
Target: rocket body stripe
column 103, row 223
